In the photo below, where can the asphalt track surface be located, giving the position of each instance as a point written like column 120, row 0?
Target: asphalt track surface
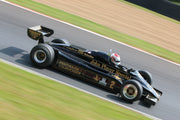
column 15, row 47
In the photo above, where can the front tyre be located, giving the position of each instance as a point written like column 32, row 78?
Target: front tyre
column 147, row 76
column 42, row 55
column 131, row 91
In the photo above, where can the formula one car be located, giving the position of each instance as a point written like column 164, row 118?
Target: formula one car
column 92, row 66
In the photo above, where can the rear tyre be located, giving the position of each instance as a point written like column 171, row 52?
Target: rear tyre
column 131, row 91
column 147, row 76
column 60, row 41
column 42, row 55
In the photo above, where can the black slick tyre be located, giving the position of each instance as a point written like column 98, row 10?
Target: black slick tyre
column 131, row 91
column 42, row 55
column 61, row 41
column 147, row 76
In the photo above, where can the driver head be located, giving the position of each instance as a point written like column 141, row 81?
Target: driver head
column 115, row 59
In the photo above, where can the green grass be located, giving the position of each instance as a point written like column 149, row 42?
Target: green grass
column 25, row 96
column 175, row 1
column 56, row 13
column 178, row 3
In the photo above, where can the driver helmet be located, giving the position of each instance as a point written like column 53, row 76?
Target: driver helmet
column 115, row 59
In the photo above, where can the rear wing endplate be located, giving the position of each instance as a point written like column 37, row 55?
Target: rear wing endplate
column 38, row 32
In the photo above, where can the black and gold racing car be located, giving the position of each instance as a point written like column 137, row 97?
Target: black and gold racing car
column 92, row 66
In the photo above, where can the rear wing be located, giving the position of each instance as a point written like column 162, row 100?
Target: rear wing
column 38, row 32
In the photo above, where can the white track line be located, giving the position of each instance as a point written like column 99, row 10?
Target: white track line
column 91, row 32
column 44, row 76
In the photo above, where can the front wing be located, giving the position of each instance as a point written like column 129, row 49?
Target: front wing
column 149, row 98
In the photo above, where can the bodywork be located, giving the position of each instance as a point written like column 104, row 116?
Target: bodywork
column 81, row 63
